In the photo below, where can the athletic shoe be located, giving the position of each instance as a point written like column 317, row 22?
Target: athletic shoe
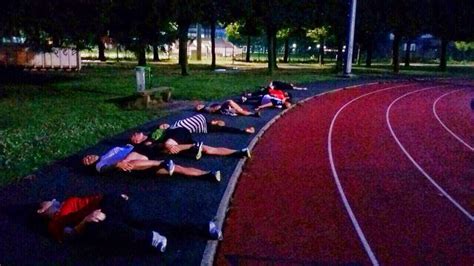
column 216, row 175
column 257, row 114
column 170, row 166
column 198, row 147
column 159, row 241
column 214, row 232
column 243, row 99
column 213, row 176
column 244, row 153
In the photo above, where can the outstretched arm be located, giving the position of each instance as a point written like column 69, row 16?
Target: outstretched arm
column 260, row 107
column 94, row 217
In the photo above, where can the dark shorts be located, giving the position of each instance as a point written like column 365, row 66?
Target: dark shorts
column 147, row 150
column 180, row 135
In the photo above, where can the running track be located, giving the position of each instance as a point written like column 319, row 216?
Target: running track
column 379, row 174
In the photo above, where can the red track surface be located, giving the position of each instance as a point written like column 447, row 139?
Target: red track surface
column 287, row 209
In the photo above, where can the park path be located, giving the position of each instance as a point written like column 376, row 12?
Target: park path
column 366, row 175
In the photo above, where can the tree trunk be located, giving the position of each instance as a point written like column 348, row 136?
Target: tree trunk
column 407, row 53
column 249, row 42
column 370, row 52
column 156, row 54
column 101, row 46
column 198, row 43
column 287, row 50
column 141, row 53
column 321, row 51
column 183, row 47
column 396, row 53
column 270, row 51
column 358, row 57
column 213, row 44
column 340, row 55
column 443, row 54
column 275, row 52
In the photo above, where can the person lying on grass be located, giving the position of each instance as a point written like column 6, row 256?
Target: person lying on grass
column 199, row 124
column 178, row 141
column 126, row 159
column 228, row 107
column 117, row 220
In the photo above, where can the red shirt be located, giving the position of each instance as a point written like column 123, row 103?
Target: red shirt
column 72, row 211
column 276, row 93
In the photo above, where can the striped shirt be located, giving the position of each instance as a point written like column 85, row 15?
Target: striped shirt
column 195, row 124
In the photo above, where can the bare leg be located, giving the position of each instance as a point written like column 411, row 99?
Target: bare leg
column 217, row 150
column 135, row 156
column 193, row 172
column 144, row 164
column 177, row 148
column 189, row 171
column 239, row 109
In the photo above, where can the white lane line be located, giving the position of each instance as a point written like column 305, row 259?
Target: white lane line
column 440, row 189
column 352, row 216
column 444, row 125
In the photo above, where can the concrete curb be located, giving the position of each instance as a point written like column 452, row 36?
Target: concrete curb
column 211, row 247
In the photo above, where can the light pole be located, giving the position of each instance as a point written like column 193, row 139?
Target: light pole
column 350, row 38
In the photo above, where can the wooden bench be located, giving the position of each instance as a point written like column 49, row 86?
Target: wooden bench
column 155, row 96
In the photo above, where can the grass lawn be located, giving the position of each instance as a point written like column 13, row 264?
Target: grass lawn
column 45, row 116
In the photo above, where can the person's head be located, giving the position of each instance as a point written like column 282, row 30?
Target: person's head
column 49, row 208
column 164, row 126
column 138, row 137
column 90, row 159
column 287, row 103
column 200, row 107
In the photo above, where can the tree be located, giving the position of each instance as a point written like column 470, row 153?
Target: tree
column 371, row 22
column 404, row 20
column 333, row 11
column 319, row 35
column 212, row 12
column 284, row 34
column 185, row 13
column 275, row 15
column 136, row 24
column 451, row 20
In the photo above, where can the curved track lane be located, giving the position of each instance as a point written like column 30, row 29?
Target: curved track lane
column 452, row 110
column 287, row 207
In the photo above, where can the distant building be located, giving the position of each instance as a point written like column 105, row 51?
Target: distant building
column 206, row 32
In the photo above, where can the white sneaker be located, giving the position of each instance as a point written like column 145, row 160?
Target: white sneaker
column 214, row 232
column 159, row 241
